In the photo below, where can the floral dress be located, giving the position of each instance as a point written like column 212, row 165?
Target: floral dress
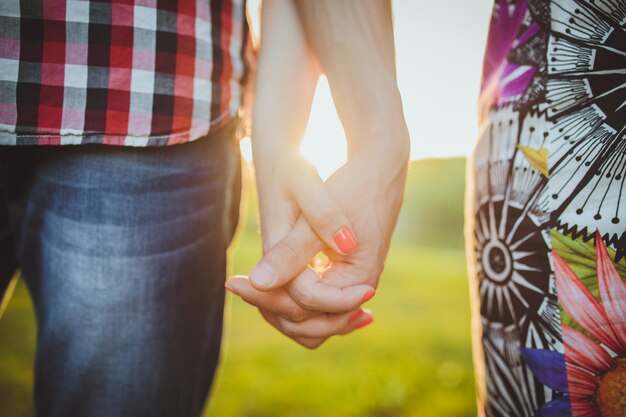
column 546, row 211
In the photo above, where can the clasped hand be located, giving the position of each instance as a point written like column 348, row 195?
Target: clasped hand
column 350, row 218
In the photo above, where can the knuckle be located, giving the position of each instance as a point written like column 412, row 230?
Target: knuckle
column 296, row 314
column 313, row 344
column 285, row 253
column 370, row 273
column 374, row 277
column 331, row 219
column 287, row 328
column 325, row 331
column 335, row 328
column 306, row 298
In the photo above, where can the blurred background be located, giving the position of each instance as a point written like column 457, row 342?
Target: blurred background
column 415, row 360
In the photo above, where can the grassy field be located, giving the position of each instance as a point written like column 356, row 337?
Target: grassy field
column 415, row 360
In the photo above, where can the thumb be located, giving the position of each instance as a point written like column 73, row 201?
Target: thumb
column 285, row 260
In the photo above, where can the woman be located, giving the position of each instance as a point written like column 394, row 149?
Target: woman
column 545, row 223
column 545, row 217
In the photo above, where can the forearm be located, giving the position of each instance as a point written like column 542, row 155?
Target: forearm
column 286, row 79
column 287, row 74
column 353, row 40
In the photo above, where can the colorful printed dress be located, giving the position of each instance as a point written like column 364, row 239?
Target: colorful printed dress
column 546, row 211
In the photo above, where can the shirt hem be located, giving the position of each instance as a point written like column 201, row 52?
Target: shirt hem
column 16, row 139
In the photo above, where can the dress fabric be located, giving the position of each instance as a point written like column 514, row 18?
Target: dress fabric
column 546, row 211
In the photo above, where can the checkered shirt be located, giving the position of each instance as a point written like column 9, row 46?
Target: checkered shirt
column 120, row 72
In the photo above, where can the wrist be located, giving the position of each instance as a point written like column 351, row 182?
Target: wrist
column 386, row 145
column 271, row 148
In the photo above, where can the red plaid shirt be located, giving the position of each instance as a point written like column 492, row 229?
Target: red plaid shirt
column 120, row 72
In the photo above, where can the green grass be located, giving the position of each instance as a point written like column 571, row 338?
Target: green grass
column 415, row 359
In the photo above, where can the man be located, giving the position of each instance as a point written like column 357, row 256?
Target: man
column 120, row 237
column 123, row 247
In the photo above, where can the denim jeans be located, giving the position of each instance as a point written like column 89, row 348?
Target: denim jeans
column 124, row 253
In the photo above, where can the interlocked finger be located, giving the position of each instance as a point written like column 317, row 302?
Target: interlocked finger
column 313, row 293
column 278, row 301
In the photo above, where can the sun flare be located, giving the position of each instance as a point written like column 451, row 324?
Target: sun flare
column 324, row 141
column 439, row 100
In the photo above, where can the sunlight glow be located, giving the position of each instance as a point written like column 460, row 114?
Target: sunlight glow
column 324, row 142
column 246, row 148
column 439, row 60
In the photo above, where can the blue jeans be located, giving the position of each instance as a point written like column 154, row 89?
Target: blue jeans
column 124, row 253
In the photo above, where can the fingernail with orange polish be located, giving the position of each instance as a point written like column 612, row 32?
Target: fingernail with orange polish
column 368, row 296
column 369, row 320
column 355, row 316
column 345, row 240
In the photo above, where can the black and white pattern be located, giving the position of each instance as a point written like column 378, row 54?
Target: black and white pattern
column 518, row 305
column 586, row 97
column 551, row 156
